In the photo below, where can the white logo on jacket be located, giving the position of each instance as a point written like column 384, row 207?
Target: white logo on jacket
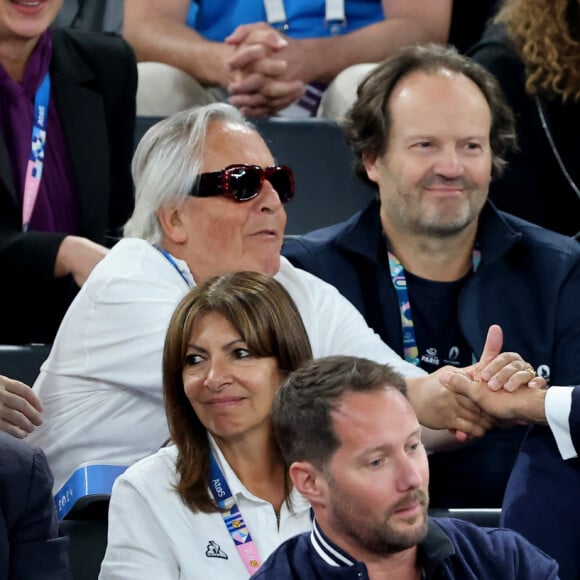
column 431, row 357
column 213, row 550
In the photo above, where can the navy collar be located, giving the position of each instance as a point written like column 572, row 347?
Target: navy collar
column 327, row 551
column 434, row 549
column 363, row 234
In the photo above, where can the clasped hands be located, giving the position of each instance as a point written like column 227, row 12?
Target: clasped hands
column 500, row 390
column 268, row 71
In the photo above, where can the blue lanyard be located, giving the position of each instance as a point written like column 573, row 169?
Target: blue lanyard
column 172, row 261
column 233, row 518
column 37, row 148
column 410, row 349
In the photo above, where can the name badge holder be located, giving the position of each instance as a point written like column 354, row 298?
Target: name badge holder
column 334, row 16
column 410, row 348
column 174, row 265
column 35, row 164
column 233, row 518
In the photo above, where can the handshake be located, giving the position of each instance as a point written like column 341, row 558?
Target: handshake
column 500, row 390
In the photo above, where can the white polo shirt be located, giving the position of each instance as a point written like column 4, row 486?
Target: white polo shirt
column 152, row 534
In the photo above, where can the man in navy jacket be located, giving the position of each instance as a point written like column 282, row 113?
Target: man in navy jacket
column 431, row 264
column 29, row 544
column 548, row 480
column 353, row 443
column 542, row 499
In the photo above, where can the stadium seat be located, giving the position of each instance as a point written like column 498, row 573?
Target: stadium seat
column 22, row 362
column 88, row 542
column 327, row 190
column 487, row 518
column 101, row 16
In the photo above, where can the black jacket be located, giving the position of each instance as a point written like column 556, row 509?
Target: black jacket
column 94, row 79
column 533, row 186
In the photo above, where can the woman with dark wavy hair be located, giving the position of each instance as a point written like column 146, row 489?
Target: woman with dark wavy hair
column 218, row 502
column 533, row 48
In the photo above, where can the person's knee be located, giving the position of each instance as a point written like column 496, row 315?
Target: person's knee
column 164, row 90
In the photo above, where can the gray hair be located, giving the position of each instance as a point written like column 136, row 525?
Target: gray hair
column 167, row 162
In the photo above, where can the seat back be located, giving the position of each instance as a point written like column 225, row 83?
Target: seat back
column 88, row 542
column 487, row 518
column 87, row 491
column 327, row 191
column 22, row 362
column 142, row 125
column 101, row 16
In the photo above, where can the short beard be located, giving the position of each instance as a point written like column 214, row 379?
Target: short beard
column 377, row 537
column 431, row 225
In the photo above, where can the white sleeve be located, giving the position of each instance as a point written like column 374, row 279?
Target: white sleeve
column 114, row 332
column 137, row 546
column 126, row 335
column 335, row 326
column 558, row 404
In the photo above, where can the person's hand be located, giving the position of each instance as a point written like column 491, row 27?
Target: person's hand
column 503, row 370
column 20, row 408
column 438, row 407
column 441, row 408
column 254, row 43
column 301, row 56
column 78, row 256
column 255, row 98
column 261, row 85
column 525, row 405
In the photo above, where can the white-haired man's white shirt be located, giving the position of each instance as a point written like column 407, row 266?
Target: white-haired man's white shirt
column 101, row 385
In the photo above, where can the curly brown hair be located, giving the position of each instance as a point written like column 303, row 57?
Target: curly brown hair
column 546, row 33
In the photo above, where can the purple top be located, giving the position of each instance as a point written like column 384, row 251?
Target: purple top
column 56, row 204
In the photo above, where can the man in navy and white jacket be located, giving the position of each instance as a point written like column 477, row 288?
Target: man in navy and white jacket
column 353, row 443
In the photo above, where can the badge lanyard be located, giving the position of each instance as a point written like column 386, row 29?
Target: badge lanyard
column 333, row 16
column 335, row 20
column 37, row 147
column 172, row 261
column 233, row 518
column 410, row 349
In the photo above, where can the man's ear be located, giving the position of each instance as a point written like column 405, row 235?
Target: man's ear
column 370, row 164
column 309, row 481
column 172, row 223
